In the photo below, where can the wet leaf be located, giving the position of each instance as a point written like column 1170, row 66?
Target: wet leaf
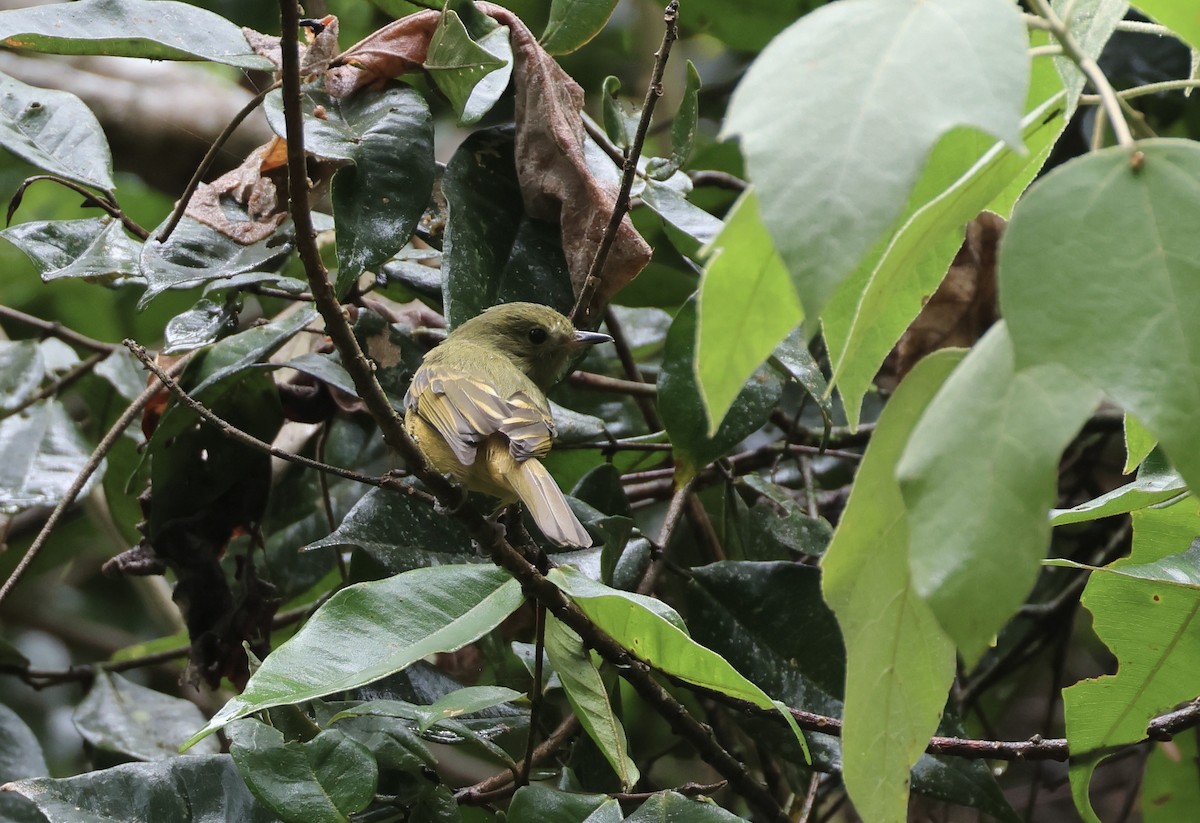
column 21, row 371
column 43, row 453
column 95, row 249
column 122, row 717
column 200, row 325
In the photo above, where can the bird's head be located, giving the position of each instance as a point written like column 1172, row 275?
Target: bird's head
column 539, row 340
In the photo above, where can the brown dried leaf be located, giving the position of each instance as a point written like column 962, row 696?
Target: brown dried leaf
column 965, row 304
column 315, row 57
column 395, row 49
column 253, row 188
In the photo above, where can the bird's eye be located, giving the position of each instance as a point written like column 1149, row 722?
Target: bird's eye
column 537, row 335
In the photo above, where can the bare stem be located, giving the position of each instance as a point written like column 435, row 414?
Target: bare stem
column 59, row 331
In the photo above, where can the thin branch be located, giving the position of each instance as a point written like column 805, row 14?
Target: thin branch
column 675, row 513
column 209, row 157
column 97, row 457
column 717, row 180
column 1139, row 27
column 602, row 382
column 105, row 203
column 59, row 331
column 810, row 798
column 74, row 373
column 687, row 790
column 234, row 433
column 629, row 366
column 1141, row 91
column 581, row 312
column 1091, row 69
column 535, row 691
column 501, row 784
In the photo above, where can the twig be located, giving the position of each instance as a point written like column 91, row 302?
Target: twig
column 810, row 798
column 206, row 162
column 81, row 479
column 581, row 312
column 1142, row 91
column 327, row 503
column 687, row 790
column 234, row 433
column 105, row 203
column 535, row 691
column 602, row 382
column 675, row 513
column 59, row 331
column 1091, row 69
column 629, row 366
column 501, row 784
column 74, row 373
column 717, row 179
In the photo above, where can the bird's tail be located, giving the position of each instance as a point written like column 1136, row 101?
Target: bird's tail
column 546, row 503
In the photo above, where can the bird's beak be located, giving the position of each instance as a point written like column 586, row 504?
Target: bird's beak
column 589, row 338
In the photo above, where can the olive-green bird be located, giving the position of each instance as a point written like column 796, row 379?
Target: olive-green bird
column 477, row 408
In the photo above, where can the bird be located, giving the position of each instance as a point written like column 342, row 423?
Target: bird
column 477, row 408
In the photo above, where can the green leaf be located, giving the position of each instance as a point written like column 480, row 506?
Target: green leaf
column 1092, row 24
column 619, row 125
column 95, row 249
column 834, row 167
column 796, row 361
column 1138, row 443
column 652, row 631
column 966, row 173
column 199, row 326
column 585, row 690
column 1131, row 332
column 120, row 716
column 693, row 227
column 672, row 807
column 679, row 397
column 401, row 532
column 370, row 630
column 1170, row 791
column 241, row 351
column 43, row 453
column 1177, row 15
column 472, row 75
column 21, row 371
column 320, row 781
column 752, row 27
column 1145, row 610
column 978, row 477
column 54, row 131
column 195, row 789
column 547, row 805
column 195, row 254
column 899, row 662
column 20, row 757
column 1155, row 484
column 378, row 201
column 466, row 701
column 156, row 29
column 746, row 306
column 683, row 130
column 493, row 251
column 573, row 23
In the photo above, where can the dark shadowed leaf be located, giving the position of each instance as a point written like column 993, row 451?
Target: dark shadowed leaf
column 193, row 789
column 319, row 781
column 679, row 399
column 672, row 807
column 43, row 452
column 54, row 131
column 160, row 30
column 494, row 252
column 122, row 717
column 547, row 805
column 241, row 351
column 20, row 757
column 401, row 532
column 95, row 249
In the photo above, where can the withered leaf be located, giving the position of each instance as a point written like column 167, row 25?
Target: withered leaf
column 253, row 188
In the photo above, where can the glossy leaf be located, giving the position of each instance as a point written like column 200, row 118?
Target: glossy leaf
column 745, row 308
column 1144, row 608
column 581, row 679
column 978, row 477
column 43, row 452
column 95, row 249
column 466, row 701
column 193, row 789
column 54, row 131
column 899, row 662
column 493, row 252
column 319, row 781
column 966, row 173
column 652, row 631
column 21, row 371
column 378, row 200
column 20, row 757
column 573, row 23
column 1155, row 483
column 401, row 532
column 834, row 167
column 683, row 129
column 547, row 805
column 693, row 226
column 195, row 254
column 796, row 361
column 200, row 325
column 241, row 351
column 1131, row 332
column 679, row 398
column 156, row 29
column 370, row 630
column 471, row 74
column 120, row 716
column 673, row 807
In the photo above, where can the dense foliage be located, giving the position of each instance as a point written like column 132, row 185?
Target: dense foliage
column 900, row 291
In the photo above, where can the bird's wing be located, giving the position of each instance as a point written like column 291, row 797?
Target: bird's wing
column 466, row 410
